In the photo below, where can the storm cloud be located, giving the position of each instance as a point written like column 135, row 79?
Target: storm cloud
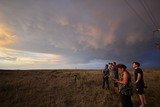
column 83, row 33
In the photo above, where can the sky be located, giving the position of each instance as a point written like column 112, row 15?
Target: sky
column 77, row 34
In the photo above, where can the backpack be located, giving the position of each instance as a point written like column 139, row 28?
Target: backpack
column 127, row 90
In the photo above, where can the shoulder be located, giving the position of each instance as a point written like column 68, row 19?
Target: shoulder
column 139, row 70
column 125, row 74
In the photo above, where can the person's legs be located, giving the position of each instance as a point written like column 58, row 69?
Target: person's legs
column 144, row 99
column 141, row 99
column 123, row 102
column 126, row 101
column 129, row 102
column 103, row 85
column 107, row 82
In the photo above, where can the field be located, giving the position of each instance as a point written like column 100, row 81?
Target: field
column 59, row 88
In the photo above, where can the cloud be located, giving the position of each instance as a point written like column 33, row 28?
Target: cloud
column 89, row 34
column 6, row 38
column 80, row 32
column 62, row 20
column 8, row 58
column 94, row 36
column 88, row 30
column 15, row 58
column 134, row 38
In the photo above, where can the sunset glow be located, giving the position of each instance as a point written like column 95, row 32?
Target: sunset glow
column 86, row 34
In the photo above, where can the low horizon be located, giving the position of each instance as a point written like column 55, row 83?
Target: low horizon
column 36, row 69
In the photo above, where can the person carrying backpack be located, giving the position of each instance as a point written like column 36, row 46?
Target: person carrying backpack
column 125, row 89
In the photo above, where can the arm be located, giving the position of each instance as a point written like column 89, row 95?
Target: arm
column 138, row 78
column 125, row 79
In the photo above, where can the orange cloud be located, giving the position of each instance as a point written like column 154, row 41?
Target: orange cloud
column 88, row 30
column 6, row 38
column 113, row 25
column 90, row 35
column 17, row 57
column 93, row 36
column 61, row 20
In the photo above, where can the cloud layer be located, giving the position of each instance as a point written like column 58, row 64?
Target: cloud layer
column 85, row 34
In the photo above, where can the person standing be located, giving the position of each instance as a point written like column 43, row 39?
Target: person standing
column 110, row 66
column 125, row 89
column 105, row 77
column 139, row 81
column 116, row 76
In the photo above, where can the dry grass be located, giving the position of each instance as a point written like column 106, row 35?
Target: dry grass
column 58, row 88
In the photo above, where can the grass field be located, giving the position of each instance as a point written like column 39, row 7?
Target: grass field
column 58, row 88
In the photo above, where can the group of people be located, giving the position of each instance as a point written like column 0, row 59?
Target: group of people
column 122, row 82
column 112, row 72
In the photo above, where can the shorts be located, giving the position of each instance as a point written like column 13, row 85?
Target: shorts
column 140, row 90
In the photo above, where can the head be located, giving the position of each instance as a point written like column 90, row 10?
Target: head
column 114, row 63
column 121, row 68
column 136, row 65
column 106, row 66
